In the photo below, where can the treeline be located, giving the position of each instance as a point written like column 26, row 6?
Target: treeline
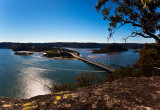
column 71, row 45
column 37, row 48
column 63, row 54
column 7, row 45
column 10, row 45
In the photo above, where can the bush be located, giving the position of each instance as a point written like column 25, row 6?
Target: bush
column 147, row 65
column 86, row 79
column 62, row 87
column 149, row 59
column 58, row 54
column 122, row 73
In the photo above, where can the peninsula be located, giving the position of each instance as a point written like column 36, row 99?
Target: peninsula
column 111, row 48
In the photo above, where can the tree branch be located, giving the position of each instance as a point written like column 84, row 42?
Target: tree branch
column 140, row 34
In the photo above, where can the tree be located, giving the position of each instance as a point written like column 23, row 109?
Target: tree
column 145, row 2
column 143, row 15
column 149, row 62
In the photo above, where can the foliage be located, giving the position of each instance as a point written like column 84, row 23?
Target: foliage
column 147, row 2
column 111, row 48
column 43, row 48
column 149, row 60
column 23, row 47
column 147, row 65
column 58, row 54
column 122, row 73
column 30, row 47
column 143, row 15
column 86, row 79
column 62, row 87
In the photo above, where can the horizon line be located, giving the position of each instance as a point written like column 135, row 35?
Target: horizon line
column 73, row 42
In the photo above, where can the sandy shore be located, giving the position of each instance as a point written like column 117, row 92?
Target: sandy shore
column 60, row 58
column 113, row 53
column 93, row 56
column 74, row 49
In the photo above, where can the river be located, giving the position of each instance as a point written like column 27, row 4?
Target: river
column 28, row 76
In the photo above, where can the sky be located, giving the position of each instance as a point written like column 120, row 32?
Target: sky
column 57, row 21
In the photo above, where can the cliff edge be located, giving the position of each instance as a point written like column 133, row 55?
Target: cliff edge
column 129, row 93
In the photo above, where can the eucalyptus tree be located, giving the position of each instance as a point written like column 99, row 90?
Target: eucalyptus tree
column 142, row 15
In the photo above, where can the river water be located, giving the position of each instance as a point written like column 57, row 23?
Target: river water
column 28, row 76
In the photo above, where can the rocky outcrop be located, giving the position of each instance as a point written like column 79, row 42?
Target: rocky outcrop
column 123, row 94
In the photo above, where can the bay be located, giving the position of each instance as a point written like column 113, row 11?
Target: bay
column 28, row 76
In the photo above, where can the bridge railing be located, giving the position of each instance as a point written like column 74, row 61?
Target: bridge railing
column 112, row 67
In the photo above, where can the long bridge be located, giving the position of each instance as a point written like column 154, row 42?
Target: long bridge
column 102, row 66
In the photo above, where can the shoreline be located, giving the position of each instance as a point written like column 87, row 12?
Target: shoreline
column 46, row 56
column 108, row 53
column 59, row 58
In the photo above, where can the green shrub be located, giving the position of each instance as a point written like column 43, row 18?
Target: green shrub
column 122, row 73
column 147, row 65
column 63, row 87
column 86, row 79
column 58, row 54
column 149, row 59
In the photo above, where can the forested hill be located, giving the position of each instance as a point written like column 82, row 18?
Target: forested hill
column 9, row 45
column 111, row 48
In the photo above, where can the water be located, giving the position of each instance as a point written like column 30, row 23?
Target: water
column 25, row 77
column 121, row 58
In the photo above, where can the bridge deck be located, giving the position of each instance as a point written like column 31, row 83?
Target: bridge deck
column 100, row 65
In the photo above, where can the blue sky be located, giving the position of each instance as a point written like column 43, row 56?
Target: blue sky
column 56, row 21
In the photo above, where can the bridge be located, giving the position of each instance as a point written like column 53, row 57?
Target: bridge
column 102, row 66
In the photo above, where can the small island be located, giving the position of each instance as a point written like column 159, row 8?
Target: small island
column 60, row 53
column 114, row 47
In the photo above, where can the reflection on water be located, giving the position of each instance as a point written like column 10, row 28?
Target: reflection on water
column 28, row 76
column 33, row 82
column 25, row 77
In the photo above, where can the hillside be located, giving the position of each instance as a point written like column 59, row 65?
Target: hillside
column 122, row 94
column 111, row 48
column 10, row 45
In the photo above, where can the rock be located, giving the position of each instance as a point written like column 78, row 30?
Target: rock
column 129, row 93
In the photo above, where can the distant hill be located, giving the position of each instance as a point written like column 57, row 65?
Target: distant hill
column 10, row 45
column 6, row 45
column 132, row 45
column 22, row 47
column 31, row 47
column 72, row 45
column 111, row 48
